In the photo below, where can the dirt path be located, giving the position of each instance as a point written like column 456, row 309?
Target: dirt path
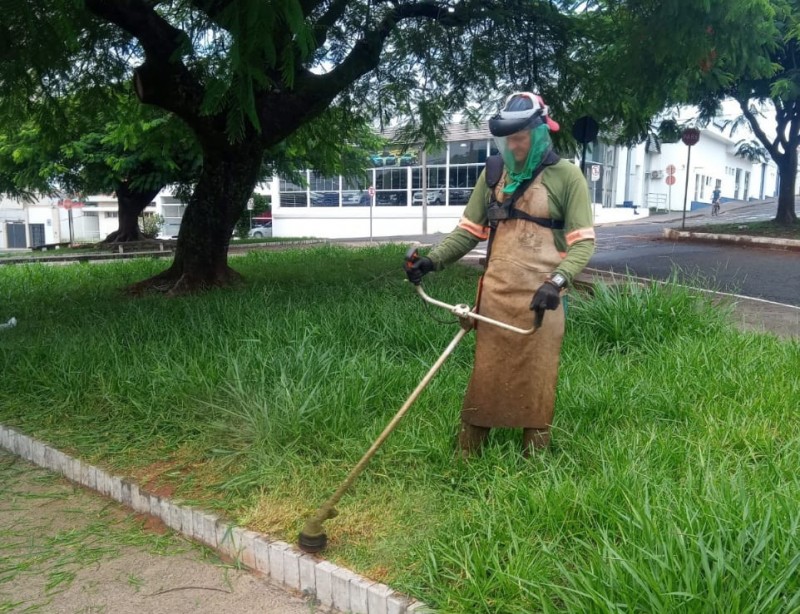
column 64, row 549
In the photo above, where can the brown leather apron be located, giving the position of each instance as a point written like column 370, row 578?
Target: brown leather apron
column 514, row 377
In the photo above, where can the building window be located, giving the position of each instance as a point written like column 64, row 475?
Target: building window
column 292, row 194
column 111, row 214
column 468, row 152
column 354, row 191
column 324, row 191
column 391, row 187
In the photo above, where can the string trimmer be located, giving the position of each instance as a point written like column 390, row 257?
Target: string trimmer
column 312, row 537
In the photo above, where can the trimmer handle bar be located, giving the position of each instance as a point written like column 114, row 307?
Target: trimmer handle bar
column 462, row 311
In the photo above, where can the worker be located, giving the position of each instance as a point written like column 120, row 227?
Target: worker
column 533, row 208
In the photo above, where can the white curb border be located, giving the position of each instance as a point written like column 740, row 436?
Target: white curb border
column 766, row 242
column 331, row 586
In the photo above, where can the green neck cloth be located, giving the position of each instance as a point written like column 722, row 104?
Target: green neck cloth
column 540, row 143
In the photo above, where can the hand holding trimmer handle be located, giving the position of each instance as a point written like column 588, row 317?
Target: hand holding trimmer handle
column 416, row 267
column 412, row 255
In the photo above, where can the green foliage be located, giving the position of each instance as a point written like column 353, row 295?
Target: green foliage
column 97, row 147
column 151, row 225
column 623, row 316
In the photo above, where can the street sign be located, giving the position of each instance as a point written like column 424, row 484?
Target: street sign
column 67, row 203
column 371, row 190
column 585, row 129
column 595, row 172
column 671, row 169
column 670, row 179
column 690, row 136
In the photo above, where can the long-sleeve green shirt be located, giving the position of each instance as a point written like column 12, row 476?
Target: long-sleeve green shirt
column 568, row 200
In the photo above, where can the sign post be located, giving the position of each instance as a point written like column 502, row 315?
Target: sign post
column 689, row 137
column 585, row 131
column 69, row 205
column 595, row 176
column 371, row 205
column 670, row 180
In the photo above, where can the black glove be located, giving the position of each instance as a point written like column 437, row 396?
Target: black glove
column 420, row 267
column 546, row 297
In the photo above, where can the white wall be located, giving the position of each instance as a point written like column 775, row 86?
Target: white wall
column 712, row 159
column 352, row 222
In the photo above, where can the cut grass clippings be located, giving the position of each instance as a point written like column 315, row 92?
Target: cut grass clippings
column 672, row 484
column 45, row 557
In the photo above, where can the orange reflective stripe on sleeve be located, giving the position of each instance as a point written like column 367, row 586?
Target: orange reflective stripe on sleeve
column 481, row 232
column 580, row 235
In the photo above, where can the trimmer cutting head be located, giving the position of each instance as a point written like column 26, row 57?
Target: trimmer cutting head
column 312, row 543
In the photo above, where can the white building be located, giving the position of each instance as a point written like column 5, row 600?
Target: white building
column 46, row 221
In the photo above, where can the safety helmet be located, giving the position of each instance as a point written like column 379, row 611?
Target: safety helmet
column 522, row 110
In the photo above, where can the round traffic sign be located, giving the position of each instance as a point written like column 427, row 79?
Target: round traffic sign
column 585, row 129
column 690, row 136
column 671, row 169
column 670, row 179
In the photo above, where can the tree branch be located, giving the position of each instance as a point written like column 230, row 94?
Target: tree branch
column 366, row 53
column 770, row 146
column 212, row 9
column 327, row 20
column 163, row 79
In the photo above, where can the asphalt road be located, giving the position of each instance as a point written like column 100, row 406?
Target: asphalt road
column 641, row 249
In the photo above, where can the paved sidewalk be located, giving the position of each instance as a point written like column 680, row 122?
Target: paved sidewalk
column 66, row 549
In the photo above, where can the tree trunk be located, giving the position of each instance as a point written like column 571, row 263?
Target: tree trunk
column 787, row 168
column 130, row 207
column 230, row 172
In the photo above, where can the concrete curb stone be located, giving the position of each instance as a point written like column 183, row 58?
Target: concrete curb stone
column 327, row 584
column 766, row 242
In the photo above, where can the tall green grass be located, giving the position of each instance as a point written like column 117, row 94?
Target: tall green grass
column 670, row 486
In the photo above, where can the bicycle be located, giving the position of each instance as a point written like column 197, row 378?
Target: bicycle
column 715, row 207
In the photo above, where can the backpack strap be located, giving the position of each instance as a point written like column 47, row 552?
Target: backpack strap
column 494, row 170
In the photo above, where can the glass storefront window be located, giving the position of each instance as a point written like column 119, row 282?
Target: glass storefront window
column 354, row 192
column 438, row 156
column 323, row 191
column 437, row 180
column 468, row 152
column 391, row 187
column 292, row 194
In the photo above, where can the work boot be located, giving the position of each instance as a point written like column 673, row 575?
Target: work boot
column 533, row 440
column 471, row 438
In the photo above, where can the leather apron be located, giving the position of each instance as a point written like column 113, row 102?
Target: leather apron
column 514, row 376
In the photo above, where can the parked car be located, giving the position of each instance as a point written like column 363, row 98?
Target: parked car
column 324, row 199
column 393, row 198
column 460, row 196
column 259, row 232
column 350, row 199
column 435, row 197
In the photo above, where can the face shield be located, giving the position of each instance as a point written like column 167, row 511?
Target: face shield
column 517, row 147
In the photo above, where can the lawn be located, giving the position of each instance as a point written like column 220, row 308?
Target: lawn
column 672, row 484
